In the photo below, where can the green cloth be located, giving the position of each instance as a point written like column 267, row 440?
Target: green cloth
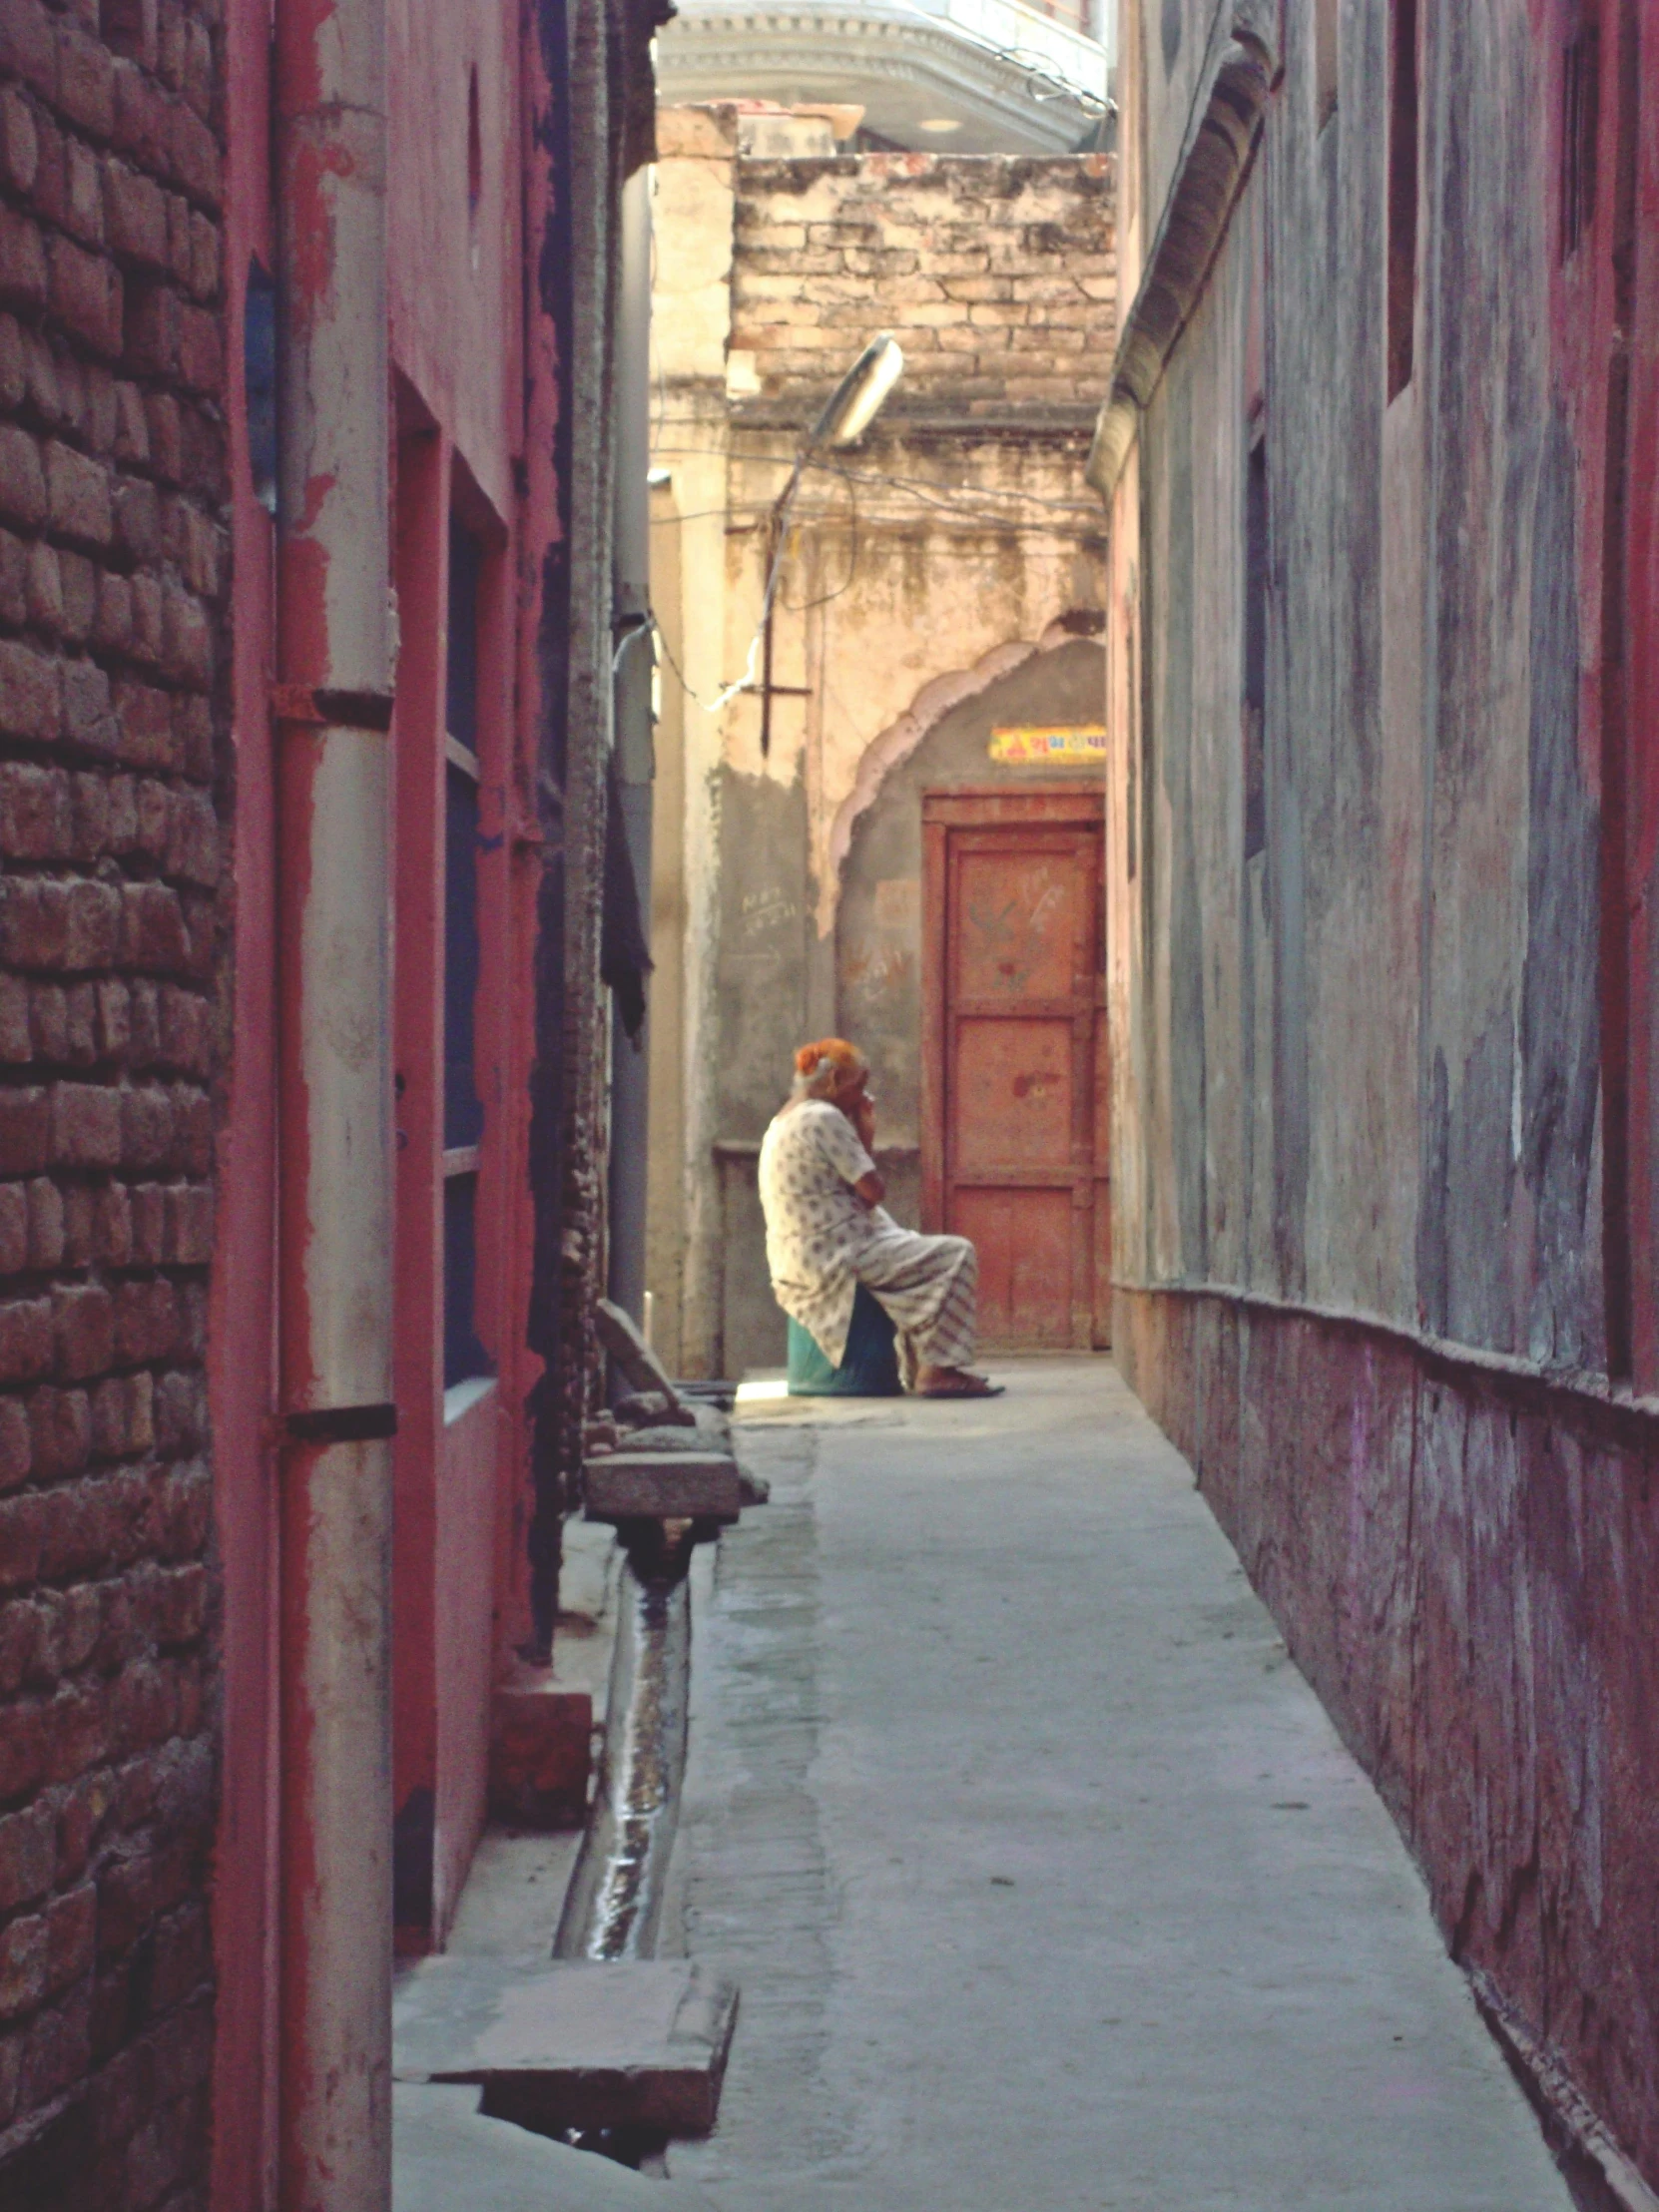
column 869, row 1367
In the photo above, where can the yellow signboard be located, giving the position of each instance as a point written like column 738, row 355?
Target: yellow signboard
column 1056, row 744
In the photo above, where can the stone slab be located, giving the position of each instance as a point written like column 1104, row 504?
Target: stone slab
column 556, row 2044
column 541, row 1750
column 622, row 1340
column 658, row 1485
column 642, row 1406
column 716, row 1442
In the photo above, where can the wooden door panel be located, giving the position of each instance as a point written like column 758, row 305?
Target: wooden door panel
column 1024, row 1241
column 1102, row 1329
column 1014, row 1089
column 1013, row 1152
column 1017, row 920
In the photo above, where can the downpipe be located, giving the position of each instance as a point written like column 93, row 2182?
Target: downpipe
column 332, row 715
column 632, row 664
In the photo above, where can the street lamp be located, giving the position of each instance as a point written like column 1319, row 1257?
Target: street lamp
column 857, row 400
column 847, row 413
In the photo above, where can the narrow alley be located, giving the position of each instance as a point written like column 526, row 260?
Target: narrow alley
column 829, row 1105
column 1046, row 1879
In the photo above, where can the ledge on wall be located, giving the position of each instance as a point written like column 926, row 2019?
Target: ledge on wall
column 1214, row 159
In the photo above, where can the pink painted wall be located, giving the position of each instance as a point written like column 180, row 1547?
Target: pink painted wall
column 417, row 734
column 456, row 269
column 456, row 324
column 445, row 1597
column 462, row 1503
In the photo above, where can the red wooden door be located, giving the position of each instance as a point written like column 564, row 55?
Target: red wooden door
column 1015, row 1073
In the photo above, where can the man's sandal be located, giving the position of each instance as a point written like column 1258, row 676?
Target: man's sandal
column 964, row 1386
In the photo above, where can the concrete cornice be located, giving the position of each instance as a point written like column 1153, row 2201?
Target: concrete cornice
column 711, row 52
column 1214, row 158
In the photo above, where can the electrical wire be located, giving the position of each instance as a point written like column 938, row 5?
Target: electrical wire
column 627, row 630
column 967, row 502
column 802, row 606
column 678, row 671
column 921, row 485
column 985, row 522
column 939, row 498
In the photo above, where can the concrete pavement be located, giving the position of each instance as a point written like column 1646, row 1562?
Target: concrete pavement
column 1046, row 1879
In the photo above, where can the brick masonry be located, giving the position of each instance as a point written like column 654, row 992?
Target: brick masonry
column 112, row 957
column 998, row 274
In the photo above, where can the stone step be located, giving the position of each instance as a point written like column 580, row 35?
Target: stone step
column 541, row 1750
column 661, row 1486
column 556, row 2044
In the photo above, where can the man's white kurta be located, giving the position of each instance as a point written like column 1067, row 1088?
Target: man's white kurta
column 823, row 1242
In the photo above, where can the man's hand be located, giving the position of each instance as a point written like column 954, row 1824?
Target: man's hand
column 870, row 1189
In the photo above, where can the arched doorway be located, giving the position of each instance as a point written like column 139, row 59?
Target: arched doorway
column 992, row 1102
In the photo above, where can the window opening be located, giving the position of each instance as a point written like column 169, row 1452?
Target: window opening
column 1580, row 121
column 1403, row 193
column 1256, row 650
column 259, row 370
column 463, row 1112
column 1132, row 751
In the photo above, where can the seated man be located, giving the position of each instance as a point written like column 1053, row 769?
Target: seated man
column 827, row 1231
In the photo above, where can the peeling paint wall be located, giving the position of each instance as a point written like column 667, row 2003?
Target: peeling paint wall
column 1381, row 843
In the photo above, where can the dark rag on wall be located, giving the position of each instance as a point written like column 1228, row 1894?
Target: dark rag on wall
column 624, row 953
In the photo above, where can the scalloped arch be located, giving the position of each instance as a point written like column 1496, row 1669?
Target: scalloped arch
column 894, row 745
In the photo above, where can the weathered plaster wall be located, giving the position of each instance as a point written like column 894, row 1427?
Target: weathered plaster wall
column 1168, row 50
column 455, row 274
column 694, row 217
column 771, row 971
column 1381, row 1091
column 1365, row 979
column 878, row 979
column 918, row 571
column 922, row 567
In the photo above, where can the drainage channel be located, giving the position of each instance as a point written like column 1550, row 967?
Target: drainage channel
column 613, row 1906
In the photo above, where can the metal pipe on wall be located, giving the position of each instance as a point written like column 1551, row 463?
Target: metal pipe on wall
column 634, row 737
column 333, row 716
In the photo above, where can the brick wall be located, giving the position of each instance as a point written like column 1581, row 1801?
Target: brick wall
column 112, row 576
column 997, row 272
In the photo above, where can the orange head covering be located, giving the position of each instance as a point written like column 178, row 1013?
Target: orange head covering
column 831, row 1069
